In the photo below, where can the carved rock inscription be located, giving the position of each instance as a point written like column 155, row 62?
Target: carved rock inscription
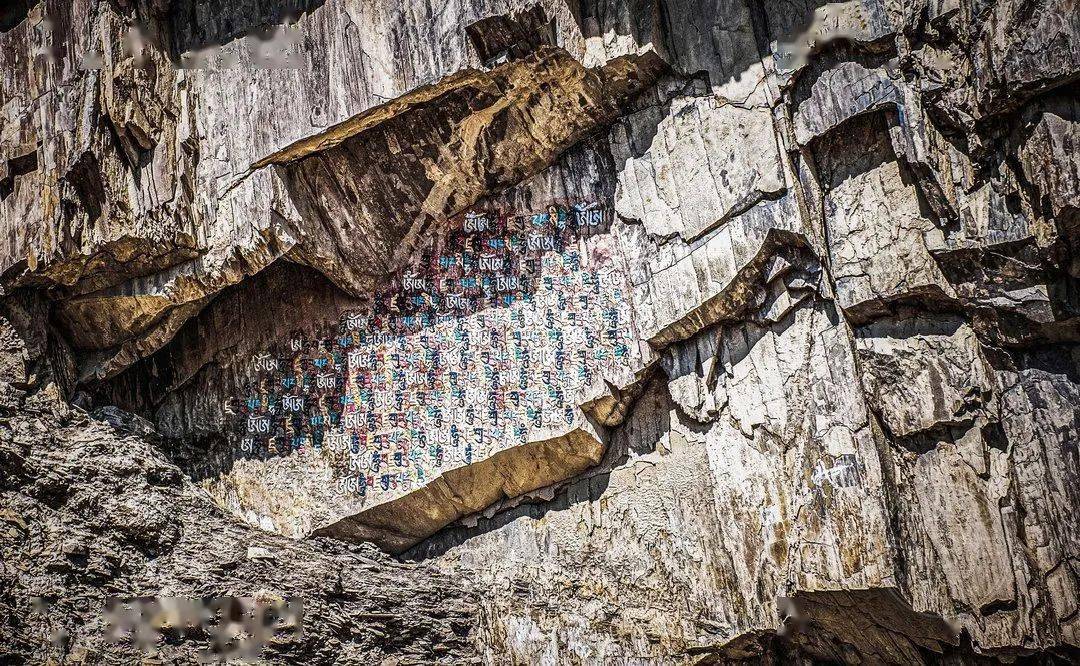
column 492, row 338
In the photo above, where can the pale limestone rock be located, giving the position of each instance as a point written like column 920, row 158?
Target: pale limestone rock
column 260, row 553
column 689, row 286
column 877, row 232
column 707, row 506
column 923, row 373
column 845, row 429
column 839, row 93
column 992, row 500
column 690, row 168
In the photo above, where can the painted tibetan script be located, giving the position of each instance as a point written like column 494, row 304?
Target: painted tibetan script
column 492, row 336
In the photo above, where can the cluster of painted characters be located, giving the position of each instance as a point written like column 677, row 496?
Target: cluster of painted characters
column 491, row 335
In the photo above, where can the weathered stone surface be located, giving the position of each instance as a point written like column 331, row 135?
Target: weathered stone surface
column 92, row 510
column 923, row 373
column 838, row 93
column 191, row 220
column 459, row 134
column 1048, row 150
column 470, row 489
column 702, row 164
column 696, row 529
column 152, row 533
column 687, row 287
column 877, row 231
column 982, row 524
column 795, row 286
column 1025, row 50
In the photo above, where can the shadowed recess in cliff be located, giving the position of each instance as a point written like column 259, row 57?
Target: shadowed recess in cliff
column 243, row 320
column 725, row 39
column 14, row 12
column 505, row 37
column 200, row 24
column 15, row 167
column 368, row 190
column 439, row 150
column 507, row 307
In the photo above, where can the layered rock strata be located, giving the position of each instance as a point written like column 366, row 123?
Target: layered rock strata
column 807, row 390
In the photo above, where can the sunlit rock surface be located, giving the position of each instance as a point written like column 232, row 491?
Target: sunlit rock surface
column 686, row 331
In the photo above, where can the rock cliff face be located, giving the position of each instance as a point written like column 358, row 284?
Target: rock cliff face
column 544, row 332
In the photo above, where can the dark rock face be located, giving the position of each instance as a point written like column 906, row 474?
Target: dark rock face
column 92, row 510
column 718, row 331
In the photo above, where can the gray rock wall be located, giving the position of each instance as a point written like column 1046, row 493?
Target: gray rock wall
column 848, row 240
